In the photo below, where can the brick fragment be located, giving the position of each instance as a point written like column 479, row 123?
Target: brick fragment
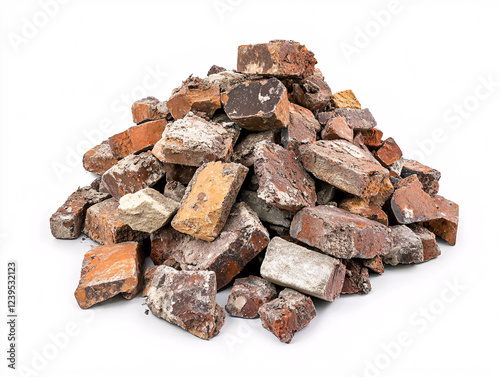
column 357, row 119
column 248, row 295
column 208, row 199
column 174, row 190
column 337, row 128
column 383, row 195
column 345, row 100
column 406, row 247
column 148, row 109
column 195, row 96
column 132, row 174
column 99, row 159
column 108, row 271
column 259, row 105
column 283, row 182
column 372, row 137
column 103, row 225
column 357, row 278
column 147, row 279
column 186, row 299
column 67, row 222
column 225, row 80
column 301, row 130
column 312, row 92
column 244, row 151
column 290, row 265
column 375, row 264
column 429, row 243
column 266, row 212
column 167, row 246
column 146, row 210
column 146, row 135
column 344, row 166
column 363, row 208
column 339, row 233
column 446, row 225
column 287, row 314
column 429, row 177
column 277, row 58
column 396, row 168
column 179, row 173
column 194, row 141
column 388, row 152
column 215, row 69
column 359, row 141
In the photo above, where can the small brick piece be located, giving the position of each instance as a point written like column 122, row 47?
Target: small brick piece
column 259, row 105
column 148, row 109
column 337, row 128
column 357, row 278
column 363, row 208
column 103, row 225
column 428, row 177
column 383, row 195
column 396, row 168
column 148, row 279
column 290, row 265
column 301, row 130
column 186, row 299
column 67, row 222
column 180, row 173
column 174, row 190
column 108, row 271
column 225, row 80
column 340, row 233
column 99, row 159
column 208, row 199
column 372, row 137
column 131, row 174
column 345, row 100
column 359, row 141
column 375, row 264
column 344, row 166
column 146, row 210
column 446, row 225
column 276, row 58
column 266, row 212
column 357, row 119
column 429, row 243
column 410, row 204
column 146, row 135
column 244, row 151
column 195, row 96
column 388, row 152
column 194, row 141
column 248, row 295
column 283, row 182
column 287, row 314
column 406, row 247
column 312, row 92
column 167, row 246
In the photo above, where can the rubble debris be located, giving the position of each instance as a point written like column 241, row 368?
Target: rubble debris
column 406, row 247
column 429, row 243
column 357, row 278
column 388, row 152
column 446, row 223
column 244, row 151
column 337, row 128
column 248, row 295
column 427, row 176
column 345, row 100
column 312, row 92
column 148, row 109
column 302, row 129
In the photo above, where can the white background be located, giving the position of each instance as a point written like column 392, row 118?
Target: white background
column 72, row 80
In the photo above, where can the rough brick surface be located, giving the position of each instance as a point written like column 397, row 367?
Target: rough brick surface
column 363, row 208
column 388, row 152
column 301, row 130
column 283, row 182
column 446, row 225
column 148, row 109
column 131, row 174
column 428, row 177
column 357, row 278
column 248, row 295
column 167, row 246
column 337, row 128
column 148, row 279
column 259, row 105
column 287, row 314
column 290, row 265
column 108, row 271
column 345, row 100
column 406, row 247
column 99, row 159
column 266, row 212
column 225, row 80
column 375, row 264
column 244, row 151
column 340, row 233
column 276, row 58
column 344, row 166
column 186, row 299
column 357, row 119
column 372, row 137
column 67, row 222
column 429, row 243
column 383, row 195
column 312, row 92
column 146, row 135
column 208, row 199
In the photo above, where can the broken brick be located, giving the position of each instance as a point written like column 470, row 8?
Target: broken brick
column 429, row 243
column 363, row 208
column 301, row 130
column 108, row 271
column 406, row 247
column 259, row 105
column 167, row 246
column 99, row 159
column 446, row 224
column 344, row 166
column 287, row 314
column 340, row 233
column 357, row 119
column 186, row 299
column 208, row 199
column 388, row 152
column 372, row 137
column 428, row 177
column 359, row 141
column 312, row 92
column 277, row 58
column 266, row 212
column 375, row 264
column 244, row 151
column 290, row 265
column 345, row 100
column 357, row 278
column 248, row 295
column 148, row 279
column 383, row 195
column 146, row 135
column 283, row 182
column 337, row 128
column 148, row 109
column 396, row 168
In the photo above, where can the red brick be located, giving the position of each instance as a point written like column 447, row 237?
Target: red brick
column 428, row 177
column 446, row 225
column 148, row 109
column 244, row 151
column 357, row 119
column 312, row 92
column 388, row 152
column 357, row 278
column 301, row 130
column 337, row 128
column 363, row 208
column 372, row 137
column 375, row 264
column 431, row 247
column 248, row 295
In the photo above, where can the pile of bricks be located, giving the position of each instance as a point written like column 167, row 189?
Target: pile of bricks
column 260, row 178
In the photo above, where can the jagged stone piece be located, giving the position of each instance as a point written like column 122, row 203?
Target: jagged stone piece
column 446, row 225
column 337, row 128
column 357, row 119
column 99, row 159
column 357, row 278
column 148, row 109
column 406, row 247
column 244, row 151
column 344, row 166
column 208, row 199
column 108, row 271
column 248, row 295
column 259, row 105
column 383, row 195
column 283, row 182
column 307, row 271
column 388, row 152
column 372, row 137
column 312, row 92
column 67, row 222
column 301, row 130
column 287, row 314
column 186, row 299
column 429, row 243
column 340, row 233
column 427, row 176
column 345, row 100
column 266, row 212
column 146, row 210
column 410, row 204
